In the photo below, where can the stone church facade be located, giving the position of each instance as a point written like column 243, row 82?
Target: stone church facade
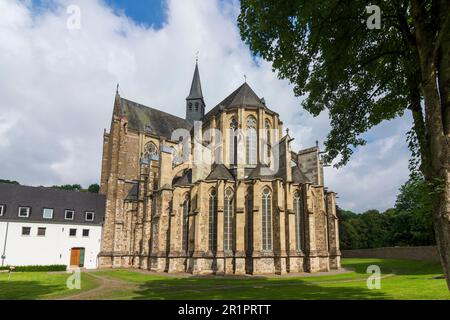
column 220, row 192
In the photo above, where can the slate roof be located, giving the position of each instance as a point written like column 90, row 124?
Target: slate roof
column 184, row 180
column 134, row 193
column 196, row 87
column 37, row 198
column 220, row 172
column 257, row 173
column 242, row 96
column 145, row 119
column 298, row 176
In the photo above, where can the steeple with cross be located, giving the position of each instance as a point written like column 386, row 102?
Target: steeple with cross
column 195, row 104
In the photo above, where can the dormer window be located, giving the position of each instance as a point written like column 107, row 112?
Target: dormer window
column 47, row 213
column 69, row 215
column 89, row 216
column 24, row 212
column 148, row 128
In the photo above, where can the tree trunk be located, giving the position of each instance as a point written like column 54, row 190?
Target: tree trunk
column 441, row 212
column 427, row 42
column 439, row 174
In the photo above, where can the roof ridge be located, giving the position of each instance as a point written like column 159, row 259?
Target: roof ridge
column 48, row 188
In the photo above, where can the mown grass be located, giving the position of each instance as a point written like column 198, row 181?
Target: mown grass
column 402, row 279
column 40, row 285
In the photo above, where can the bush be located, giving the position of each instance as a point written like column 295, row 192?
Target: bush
column 52, row 268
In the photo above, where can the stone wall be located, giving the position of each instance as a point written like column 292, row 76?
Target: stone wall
column 409, row 253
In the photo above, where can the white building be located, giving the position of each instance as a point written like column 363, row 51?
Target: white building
column 44, row 226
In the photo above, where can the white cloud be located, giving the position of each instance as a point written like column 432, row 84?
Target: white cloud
column 57, row 87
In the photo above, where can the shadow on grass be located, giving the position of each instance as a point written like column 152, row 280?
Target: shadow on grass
column 398, row 267
column 261, row 289
column 26, row 290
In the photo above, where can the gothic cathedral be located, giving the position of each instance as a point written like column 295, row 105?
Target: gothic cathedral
column 219, row 192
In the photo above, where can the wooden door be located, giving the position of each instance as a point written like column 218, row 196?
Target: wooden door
column 75, row 257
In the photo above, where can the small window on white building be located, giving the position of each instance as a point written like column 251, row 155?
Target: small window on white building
column 72, row 232
column 69, row 215
column 2, row 210
column 47, row 213
column 24, row 212
column 41, row 232
column 26, row 231
column 89, row 216
column 85, row 233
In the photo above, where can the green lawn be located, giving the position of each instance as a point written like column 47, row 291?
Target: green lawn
column 402, row 280
column 40, row 285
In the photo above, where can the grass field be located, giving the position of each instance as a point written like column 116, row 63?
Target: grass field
column 40, row 285
column 401, row 280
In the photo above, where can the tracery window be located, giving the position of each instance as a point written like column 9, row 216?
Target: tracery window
column 228, row 221
column 151, row 151
column 251, row 141
column 298, row 210
column 186, row 209
column 213, row 221
column 266, row 219
column 233, row 141
column 268, row 138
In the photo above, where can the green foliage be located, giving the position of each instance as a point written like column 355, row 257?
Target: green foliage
column 50, row 268
column 94, row 188
column 69, row 187
column 325, row 49
column 414, row 213
column 9, row 181
column 410, row 223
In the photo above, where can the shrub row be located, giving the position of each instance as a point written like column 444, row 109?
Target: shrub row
column 52, row 268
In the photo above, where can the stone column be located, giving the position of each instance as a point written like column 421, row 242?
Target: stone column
column 220, row 263
column 279, row 228
column 333, row 231
column 202, row 264
column 146, row 226
column 312, row 263
column 239, row 229
column 177, row 257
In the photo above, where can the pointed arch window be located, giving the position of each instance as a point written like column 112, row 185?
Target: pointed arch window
column 233, row 141
column 228, row 221
column 266, row 219
column 298, row 210
column 213, row 221
column 268, row 139
column 250, row 144
column 186, row 209
column 151, row 152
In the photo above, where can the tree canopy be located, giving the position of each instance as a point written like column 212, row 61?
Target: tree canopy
column 410, row 223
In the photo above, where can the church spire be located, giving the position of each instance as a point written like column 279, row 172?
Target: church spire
column 195, row 104
column 196, row 86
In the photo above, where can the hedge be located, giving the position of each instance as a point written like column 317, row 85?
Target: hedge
column 52, row 268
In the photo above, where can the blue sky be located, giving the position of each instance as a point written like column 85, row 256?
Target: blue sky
column 147, row 12
column 151, row 13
